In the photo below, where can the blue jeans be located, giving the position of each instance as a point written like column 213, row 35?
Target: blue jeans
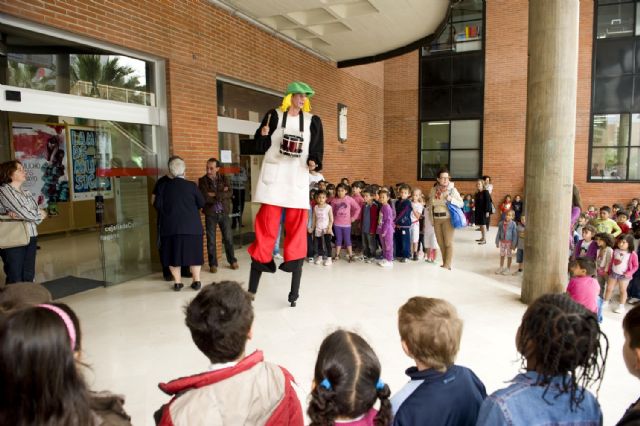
column 20, row 262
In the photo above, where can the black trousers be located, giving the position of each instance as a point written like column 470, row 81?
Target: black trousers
column 20, row 262
column 322, row 246
column 237, row 207
column 222, row 221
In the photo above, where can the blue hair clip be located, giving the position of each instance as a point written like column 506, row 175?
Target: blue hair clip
column 379, row 385
column 325, row 383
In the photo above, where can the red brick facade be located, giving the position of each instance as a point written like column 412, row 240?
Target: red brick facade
column 200, row 41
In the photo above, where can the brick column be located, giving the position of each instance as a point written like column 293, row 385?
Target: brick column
column 551, row 122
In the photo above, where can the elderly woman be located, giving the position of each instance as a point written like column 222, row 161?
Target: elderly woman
column 179, row 201
column 19, row 262
column 482, row 202
column 443, row 192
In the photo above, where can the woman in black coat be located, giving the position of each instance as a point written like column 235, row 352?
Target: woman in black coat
column 482, row 209
column 179, row 202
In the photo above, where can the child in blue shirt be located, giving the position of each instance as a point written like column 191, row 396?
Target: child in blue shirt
column 439, row 393
column 561, row 345
column 507, row 241
column 402, row 234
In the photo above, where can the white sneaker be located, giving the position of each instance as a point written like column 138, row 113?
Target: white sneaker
column 605, row 305
column 278, row 256
column 328, row 262
column 318, row 260
column 500, row 271
column 619, row 309
column 385, row 263
column 633, row 300
column 505, row 271
column 310, row 260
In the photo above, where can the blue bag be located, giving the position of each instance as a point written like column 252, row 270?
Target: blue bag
column 458, row 219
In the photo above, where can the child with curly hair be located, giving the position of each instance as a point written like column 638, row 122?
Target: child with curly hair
column 347, row 384
column 563, row 352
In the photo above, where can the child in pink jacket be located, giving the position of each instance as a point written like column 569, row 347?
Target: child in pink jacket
column 345, row 211
column 623, row 264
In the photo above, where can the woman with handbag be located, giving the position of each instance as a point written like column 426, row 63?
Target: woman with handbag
column 19, row 204
column 442, row 194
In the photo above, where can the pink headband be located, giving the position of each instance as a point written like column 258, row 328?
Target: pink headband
column 67, row 322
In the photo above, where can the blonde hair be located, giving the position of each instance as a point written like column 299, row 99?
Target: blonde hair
column 431, row 330
column 286, row 103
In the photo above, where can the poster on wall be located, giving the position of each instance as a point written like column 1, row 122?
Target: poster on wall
column 85, row 159
column 41, row 148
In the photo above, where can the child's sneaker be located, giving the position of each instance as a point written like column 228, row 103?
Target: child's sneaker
column 619, row 309
column 328, row 262
column 505, row 271
column 318, row 260
column 365, row 259
column 605, row 305
column 415, row 257
column 385, row 263
column 278, row 256
column 518, row 272
column 310, row 260
column 633, row 300
column 500, row 271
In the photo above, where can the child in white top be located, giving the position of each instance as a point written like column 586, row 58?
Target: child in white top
column 603, row 258
column 429, row 242
column 417, row 207
column 321, row 227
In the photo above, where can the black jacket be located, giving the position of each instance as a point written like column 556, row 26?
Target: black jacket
column 178, row 203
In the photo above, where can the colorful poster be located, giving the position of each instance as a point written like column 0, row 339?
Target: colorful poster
column 85, row 151
column 41, row 148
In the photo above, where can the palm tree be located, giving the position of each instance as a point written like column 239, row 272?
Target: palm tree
column 97, row 71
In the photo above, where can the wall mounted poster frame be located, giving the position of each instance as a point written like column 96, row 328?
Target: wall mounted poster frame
column 41, row 148
column 87, row 145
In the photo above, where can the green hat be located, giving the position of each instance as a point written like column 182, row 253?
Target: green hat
column 300, row 87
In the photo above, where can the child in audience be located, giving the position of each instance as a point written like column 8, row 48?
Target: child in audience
column 440, row 392
column 429, row 241
column 583, row 288
column 592, row 212
column 634, row 210
column 41, row 380
column 467, row 209
column 624, row 263
column 331, row 192
column 622, row 219
column 605, row 244
column 417, row 207
column 561, row 345
column 631, row 355
column 505, row 207
column 369, row 225
column 347, row 384
column 402, row 237
column 604, row 223
column 236, row 389
column 518, row 207
column 586, row 247
column 345, row 211
column 321, row 229
column 583, row 220
column 615, row 209
column 521, row 228
column 386, row 217
column 507, row 241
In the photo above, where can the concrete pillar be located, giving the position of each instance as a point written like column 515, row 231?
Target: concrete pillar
column 551, row 123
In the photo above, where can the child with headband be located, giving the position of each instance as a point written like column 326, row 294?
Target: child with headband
column 439, row 392
column 41, row 381
column 347, row 383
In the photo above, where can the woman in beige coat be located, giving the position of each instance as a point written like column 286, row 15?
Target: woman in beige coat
column 443, row 192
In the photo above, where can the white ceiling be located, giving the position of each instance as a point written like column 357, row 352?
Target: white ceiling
column 347, row 29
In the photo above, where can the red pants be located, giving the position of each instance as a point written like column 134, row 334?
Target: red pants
column 267, row 225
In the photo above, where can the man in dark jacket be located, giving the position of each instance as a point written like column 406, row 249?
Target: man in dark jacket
column 216, row 190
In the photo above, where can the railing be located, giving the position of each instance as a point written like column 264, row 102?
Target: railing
column 113, row 93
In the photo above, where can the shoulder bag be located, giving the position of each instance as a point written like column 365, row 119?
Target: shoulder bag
column 13, row 232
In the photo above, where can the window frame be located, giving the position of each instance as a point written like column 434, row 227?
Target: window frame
column 635, row 75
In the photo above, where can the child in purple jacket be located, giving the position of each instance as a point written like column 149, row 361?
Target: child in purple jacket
column 587, row 247
column 385, row 229
column 345, row 211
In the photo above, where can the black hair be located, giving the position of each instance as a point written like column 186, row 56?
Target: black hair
column 622, row 213
column 214, row 160
column 320, row 192
column 560, row 337
column 605, row 209
column 617, row 206
column 331, row 187
column 352, row 371
column 441, row 171
column 368, row 190
column 631, row 324
column 404, row 186
column 576, row 201
column 586, row 263
column 358, row 184
column 220, row 319
column 629, row 239
column 316, row 160
column 392, row 193
column 41, row 382
column 342, row 186
column 7, row 169
column 606, row 237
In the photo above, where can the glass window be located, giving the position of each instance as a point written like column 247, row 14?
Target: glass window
column 466, row 101
column 432, row 161
column 435, row 135
column 467, row 69
column 465, row 164
column 615, row 20
column 243, row 103
column 613, row 94
column 614, row 57
column 465, row 134
column 32, row 71
column 610, row 130
column 609, row 163
column 634, row 164
column 436, row 71
column 435, row 103
column 466, row 10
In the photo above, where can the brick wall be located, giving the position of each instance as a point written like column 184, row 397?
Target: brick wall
column 505, row 101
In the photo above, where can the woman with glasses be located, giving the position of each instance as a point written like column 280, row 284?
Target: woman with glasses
column 442, row 193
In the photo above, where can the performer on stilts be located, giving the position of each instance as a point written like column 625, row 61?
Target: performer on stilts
column 288, row 136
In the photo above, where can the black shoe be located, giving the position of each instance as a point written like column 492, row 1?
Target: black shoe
column 196, row 285
column 293, row 304
column 177, row 286
column 168, row 278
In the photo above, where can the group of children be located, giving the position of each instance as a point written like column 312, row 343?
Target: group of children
column 562, row 347
column 386, row 227
column 605, row 259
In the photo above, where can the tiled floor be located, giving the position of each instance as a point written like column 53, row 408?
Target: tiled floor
column 134, row 333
